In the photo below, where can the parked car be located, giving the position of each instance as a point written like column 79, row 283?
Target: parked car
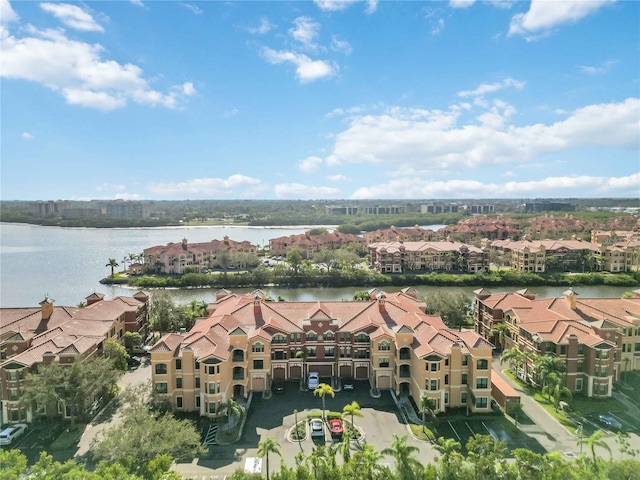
column 314, row 380
column 347, row 383
column 336, row 427
column 278, row 386
column 317, row 428
column 10, row 434
column 610, row 422
column 494, row 406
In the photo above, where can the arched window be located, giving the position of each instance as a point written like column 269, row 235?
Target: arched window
column 312, row 336
column 329, row 336
column 384, row 346
column 161, row 368
column 278, row 338
column 257, row 347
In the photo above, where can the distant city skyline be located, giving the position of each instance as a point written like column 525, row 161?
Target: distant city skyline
column 347, row 100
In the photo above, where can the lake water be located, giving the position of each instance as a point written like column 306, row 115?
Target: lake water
column 67, row 263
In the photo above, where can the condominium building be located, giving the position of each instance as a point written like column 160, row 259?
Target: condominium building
column 32, row 337
column 400, row 257
column 394, row 234
column 598, row 338
column 388, row 342
column 309, row 244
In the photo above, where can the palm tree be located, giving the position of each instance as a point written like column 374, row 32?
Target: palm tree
column 303, row 355
column 366, row 460
column 513, row 356
column 595, row 440
column 515, row 409
column 113, row 264
column 353, row 409
column 447, row 448
column 267, row 446
column 233, row 410
column 500, row 330
column 554, row 388
column 548, row 364
column 295, row 427
column 322, row 391
column 426, row 408
column 345, row 448
column 406, row 464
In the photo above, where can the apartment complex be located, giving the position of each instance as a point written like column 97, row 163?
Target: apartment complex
column 176, row 258
column 309, row 244
column 400, row 257
column 32, row 337
column 598, row 338
column 388, row 341
column 393, row 234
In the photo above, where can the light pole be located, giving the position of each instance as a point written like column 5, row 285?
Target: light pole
column 579, row 432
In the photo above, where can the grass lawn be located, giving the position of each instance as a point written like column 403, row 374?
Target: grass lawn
column 69, row 437
column 423, row 433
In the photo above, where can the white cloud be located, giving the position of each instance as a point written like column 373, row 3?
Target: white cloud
column 372, row 6
column 78, row 72
column 231, row 113
column 194, row 8
column 461, row 3
column 598, row 70
column 340, row 46
column 307, row 70
column 72, row 16
column 570, row 186
column 485, row 88
column 137, row 3
column 7, row 14
column 264, row 27
column 128, row 196
column 212, row 187
column 28, row 136
column 544, row 15
column 427, row 141
column 337, row 178
column 310, row 164
column 438, row 27
column 336, row 5
column 305, row 31
column 300, row 191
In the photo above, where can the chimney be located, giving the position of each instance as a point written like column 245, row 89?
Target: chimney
column 47, row 307
column 571, row 297
column 184, row 243
column 48, row 358
column 94, row 298
column 381, row 300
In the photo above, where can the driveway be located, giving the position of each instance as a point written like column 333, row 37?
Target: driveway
column 273, row 417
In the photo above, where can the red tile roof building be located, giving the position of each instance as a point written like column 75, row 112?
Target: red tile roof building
column 309, row 244
column 388, row 342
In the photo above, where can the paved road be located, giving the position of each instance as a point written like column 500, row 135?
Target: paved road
column 549, row 432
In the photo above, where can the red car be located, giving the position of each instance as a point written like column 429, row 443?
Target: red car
column 335, row 426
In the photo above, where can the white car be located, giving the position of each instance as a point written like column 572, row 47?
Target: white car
column 317, row 428
column 314, row 380
column 12, row 433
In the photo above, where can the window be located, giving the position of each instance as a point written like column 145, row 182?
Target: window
column 464, row 379
column 637, row 347
column 295, row 337
column 482, row 364
column 329, row 352
column 238, row 373
column 465, row 360
column 344, row 337
column 578, row 384
column 580, row 349
column 258, row 347
column 212, row 370
column 212, row 388
column 362, row 338
column 446, row 362
column 463, row 398
column 383, row 362
column 434, row 366
column 602, row 389
column 446, row 379
column 13, row 376
column 311, row 352
column 312, row 337
column 178, row 364
column 238, row 356
column 384, row 346
column 179, row 402
column 161, row 387
column 434, row 385
column 329, row 336
column 13, row 394
column 482, row 383
column 481, row 402
column 563, row 349
column 579, row 366
column 277, row 338
column 161, row 369
column 198, row 402
column 178, row 382
column 258, row 364
column 212, row 407
column 446, row 398
column 197, row 382
column 197, row 367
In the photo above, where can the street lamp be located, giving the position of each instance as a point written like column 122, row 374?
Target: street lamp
column 579, row 432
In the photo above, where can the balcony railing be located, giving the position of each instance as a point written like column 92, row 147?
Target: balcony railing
column 238, row 376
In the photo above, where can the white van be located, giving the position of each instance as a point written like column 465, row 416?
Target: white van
column 10, row 434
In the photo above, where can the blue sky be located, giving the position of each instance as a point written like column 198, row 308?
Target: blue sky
column 319, row 100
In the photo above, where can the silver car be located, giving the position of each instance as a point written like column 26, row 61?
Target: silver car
column 317, row 428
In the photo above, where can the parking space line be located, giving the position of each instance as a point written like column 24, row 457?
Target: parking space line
column 469, row 427
column 454, row 430
column 490, row 432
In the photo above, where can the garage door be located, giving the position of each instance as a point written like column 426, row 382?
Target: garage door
column 258, row 384
column 323, row 370
column 362, row 372
column 345, row 371
column 279, row 373
column 384, row 381
column 295, row 371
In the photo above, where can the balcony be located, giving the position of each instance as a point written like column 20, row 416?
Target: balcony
column 238, row 373
column 238, row 356
column 404, row 354
column 405, row 371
